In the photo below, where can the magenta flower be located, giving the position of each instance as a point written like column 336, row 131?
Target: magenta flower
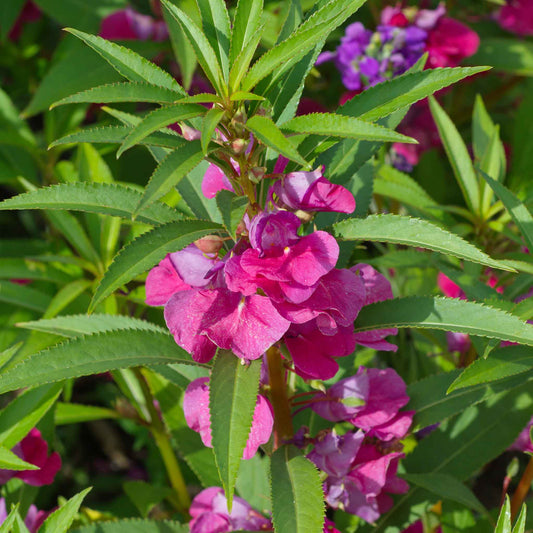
column 377, row 289
column 214, row 181
column 311, row 191
column 127, row 24
column 517, row 17
column 34, row 449
column 162, row 282
column 271, row 233
column 209, row 512
column 196, row 409
column 34, row 517
column 523, row 442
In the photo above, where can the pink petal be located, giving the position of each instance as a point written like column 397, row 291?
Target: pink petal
column 162, row 282
column 214, row 181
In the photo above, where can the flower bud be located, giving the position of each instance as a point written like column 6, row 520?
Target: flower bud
column 239, row 145
column 210, row 244
column 190, row 134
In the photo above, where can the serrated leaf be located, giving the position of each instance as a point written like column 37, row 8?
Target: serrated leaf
column 10, row 461
column 129, row 64
column 296, row 492
column 501, row 363
column 72, row 413
column 102, row 198
column 135, row 526
column 128, row 91
column 504, row 518
column 447, row 314
column 518, row 211
column 458, row 156
column 269, row 134
column 9, row 521
column 399, row 229
column 233, row 389
column 205, row 54
column 232, row 209
column 169, row 173
column 117, row 134
column 448, row 488
column 23, row 296
column 237, row 96
column 24, row 412
column 78, row 325
column 245, row 24
column 93, row 354
column 242, row 61
column 59, row 521
column 333, row 125
column 158, row 119
column 209, row 124
column 147, row 250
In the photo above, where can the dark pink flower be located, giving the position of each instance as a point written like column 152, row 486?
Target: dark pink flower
column 449, row 288
column 34, row 449
column 378, row 289
column 458, row 342
column 162, row 282
column 214, row 181
column 329, row 526
column 517, row 17
column 196, row 409
column 523, row 442
column 127, row 24
column 270, row 233
column 209, row 513
column 311, row 191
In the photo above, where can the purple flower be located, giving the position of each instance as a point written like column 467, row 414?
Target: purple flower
column 34, row 517
column 311, row 191
column 524, row 442
column 34, row 449
column 209, row 512
column 193, row 266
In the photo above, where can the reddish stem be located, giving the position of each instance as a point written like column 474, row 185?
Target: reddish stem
column 521, row 491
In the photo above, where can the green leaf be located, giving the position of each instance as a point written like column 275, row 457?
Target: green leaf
column 66, row 295
column 145, row 496
column 458, row 156
column 170, row 172
column 504, row 518
column 448, row 314
column 243, row 59
column 24, row 412
column 243, row 95
column 8, row 523
column 209, row 124
column 399, row 229
column 233, row 389
column 78, row 325
column 333, row 125
column 94, row 354
column 205, row 54
column 147, row 250
column 297, row 498
column 245, row 25
column 216, row 26
column 23, row 296
column 232, row 209
column 520, row 524
column 135, row 526
column 507, row 54
column 448, row 488
column 158, row 119
column 10, row 461
column 59, row 521
column 269, row 134
column 102, row 198
column 18, row 268
column 118, row 134
column 14, row 130
column 518, row 211
column 72, row 413
column 501, row 363
column 129, row 64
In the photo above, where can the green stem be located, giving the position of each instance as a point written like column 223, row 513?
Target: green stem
column 283, row 428
column 182, row 499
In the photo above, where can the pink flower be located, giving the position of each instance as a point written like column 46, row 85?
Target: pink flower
column 377, row 289
column 214, row 181
column 449, row 288
column 517, row 17
column 209, row 513
column 34, row 449
column 196, row 409
column 311, row 191
column 34, row 517
column 127, row 24
column 162, row 282
column 523, row 442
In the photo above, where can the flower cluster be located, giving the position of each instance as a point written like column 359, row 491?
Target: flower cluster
column 361, row 465
column 275, row 284
column 365, row 58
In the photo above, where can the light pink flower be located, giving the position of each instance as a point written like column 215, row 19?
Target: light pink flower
column 214, row 181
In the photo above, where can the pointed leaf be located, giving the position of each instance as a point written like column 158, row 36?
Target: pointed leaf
column 242, row 61
column 448, row 314
column 504, row 518
column 233, row 389
column 342, row 126
column 72, row 413
column 10, row 461
column 245, row 23
column 9, row 521
column 205, row 54
column 458, row 156
column 232, row 209
column 133, row 525
column 23, row 296
column 94, row 354
column 147, row 250
column 59, row 521
column 211, row 120
column 270, row 135
column 520, row 524
column 129, row 64
column 169, row 173
column 102, row 198
column 159, row 119
column 296, row 492
column 400, row 229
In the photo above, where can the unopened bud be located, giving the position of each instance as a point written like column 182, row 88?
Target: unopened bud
column 513, row 468
column 210, row 244
column 241, row 228
column 256, row 174
column 239, row 146
column 189, row 133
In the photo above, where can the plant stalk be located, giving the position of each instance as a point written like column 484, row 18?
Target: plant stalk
column 521, row 491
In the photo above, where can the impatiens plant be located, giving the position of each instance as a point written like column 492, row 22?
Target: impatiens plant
column 244, row 306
